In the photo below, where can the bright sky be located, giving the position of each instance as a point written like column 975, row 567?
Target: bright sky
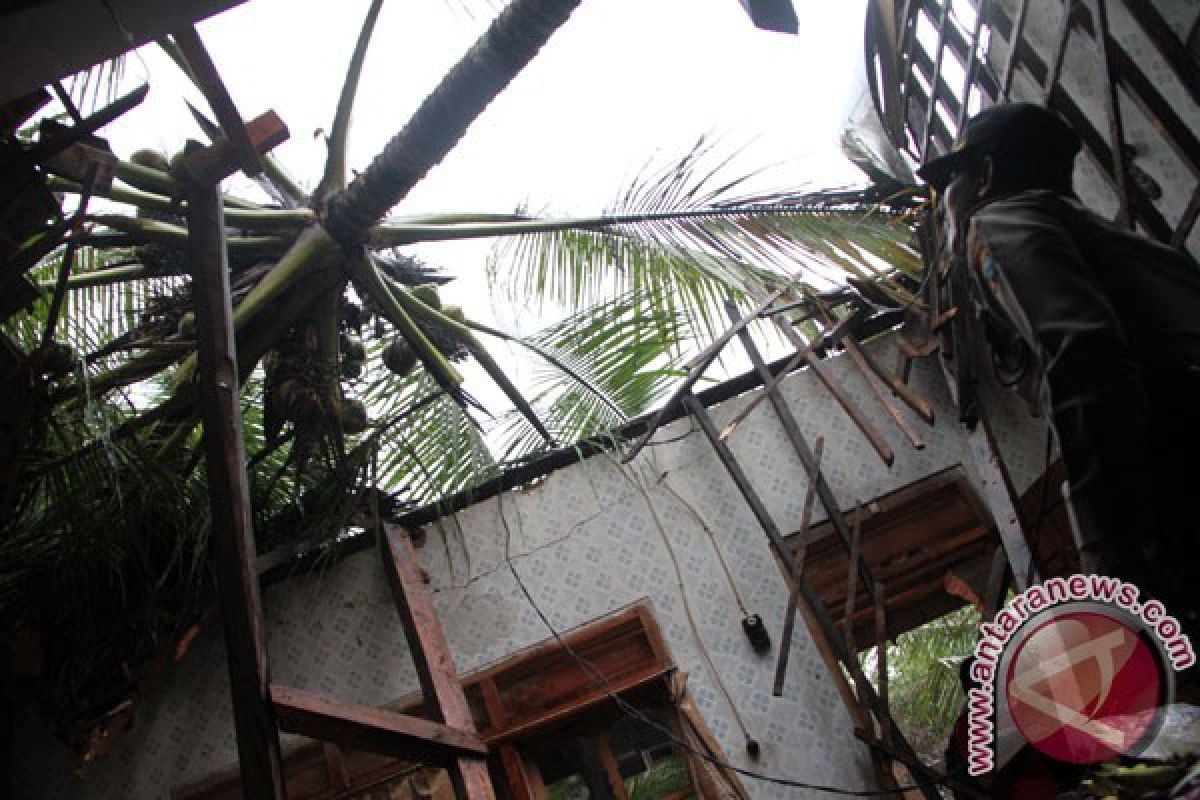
column 622, row 82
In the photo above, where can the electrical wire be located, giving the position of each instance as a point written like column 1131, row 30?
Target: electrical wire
column 737, row 595
column 692, row 429
column 639, row 483
column 601, row 682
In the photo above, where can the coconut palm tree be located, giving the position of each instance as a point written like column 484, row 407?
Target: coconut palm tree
column 347, row 358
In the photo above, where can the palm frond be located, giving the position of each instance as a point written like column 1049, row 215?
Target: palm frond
column 682, row 234
column 619, row 357
column 334, row 178
column 665, row 779
column 429, row 446
column 924, row 689
column 97, row 85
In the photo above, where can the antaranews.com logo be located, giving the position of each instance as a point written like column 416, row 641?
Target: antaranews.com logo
column 1086, row 671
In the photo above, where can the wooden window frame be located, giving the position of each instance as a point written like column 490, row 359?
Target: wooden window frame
column 512, row 701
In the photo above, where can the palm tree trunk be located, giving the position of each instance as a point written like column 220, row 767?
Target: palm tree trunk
column 511, row 42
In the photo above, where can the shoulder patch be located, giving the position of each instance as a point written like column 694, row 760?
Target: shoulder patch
column 980, row 258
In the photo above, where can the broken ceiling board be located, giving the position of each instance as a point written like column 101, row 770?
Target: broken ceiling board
column 911, row 539
column 43, row 42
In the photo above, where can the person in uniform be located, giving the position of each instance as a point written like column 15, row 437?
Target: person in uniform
column 1099, row 329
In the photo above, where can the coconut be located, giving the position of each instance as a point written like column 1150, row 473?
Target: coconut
column 350, row 368
column 353, row 416
column 148, row 157
column 352, row 348
column 399, row 356
column 187, row 326
column 58, row 359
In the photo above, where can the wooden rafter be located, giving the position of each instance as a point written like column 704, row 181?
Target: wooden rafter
column 1095, row 142
column 370, row 729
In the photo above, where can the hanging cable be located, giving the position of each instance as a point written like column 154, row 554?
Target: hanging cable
column 737, row 595
column 752, row 746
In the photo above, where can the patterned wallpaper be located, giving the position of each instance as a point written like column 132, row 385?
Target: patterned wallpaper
column 585, row 542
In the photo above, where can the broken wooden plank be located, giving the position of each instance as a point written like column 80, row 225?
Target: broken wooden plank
column 374, row 730
column 792, row 429
column 218, row 161
column 857, row 357
column 232, row 533
column 208, row 79
column 848, row 405
column 828, row 338
column 444, row 698
column 918, row 404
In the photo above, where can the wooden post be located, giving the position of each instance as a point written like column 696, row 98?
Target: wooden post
column 232, row 533
column 998, row 495
column 789, row 619
column 885, row 713
column 444, row 698
column 852, row 581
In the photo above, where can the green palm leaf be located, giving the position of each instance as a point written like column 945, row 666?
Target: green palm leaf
column 620, row 357
column 692, row 245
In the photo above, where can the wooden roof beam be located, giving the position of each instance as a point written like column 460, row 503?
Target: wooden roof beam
column 374, row 730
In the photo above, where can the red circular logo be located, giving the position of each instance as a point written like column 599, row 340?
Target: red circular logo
column 1084, row 686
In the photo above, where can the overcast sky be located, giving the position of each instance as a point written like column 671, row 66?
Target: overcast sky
column 622, row 82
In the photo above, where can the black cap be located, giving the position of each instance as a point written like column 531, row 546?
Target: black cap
column 1034, row 135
